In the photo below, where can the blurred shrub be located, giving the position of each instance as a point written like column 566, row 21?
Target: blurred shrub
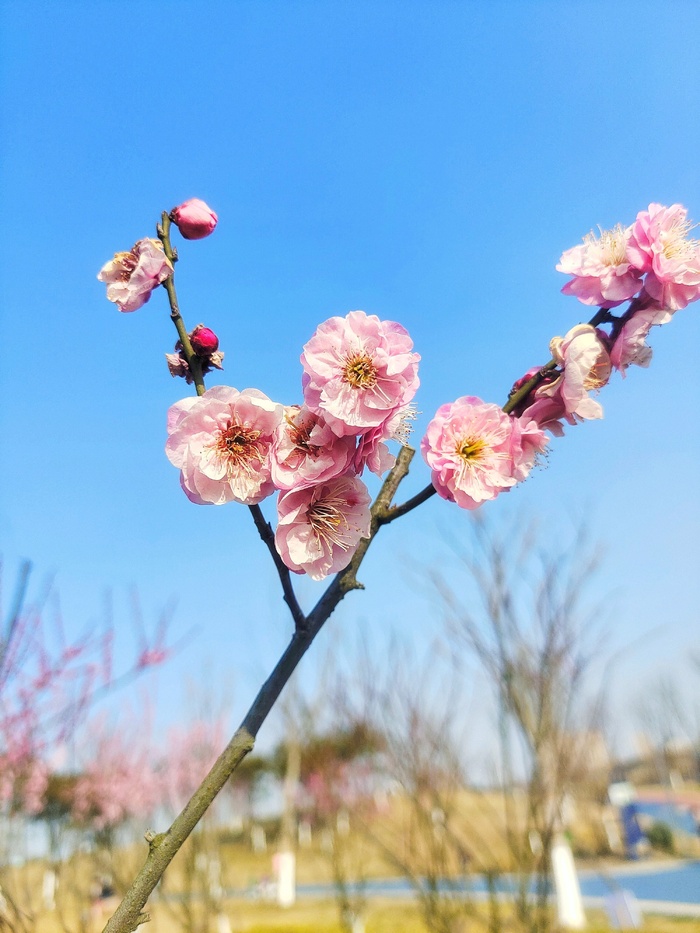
column 660, row 836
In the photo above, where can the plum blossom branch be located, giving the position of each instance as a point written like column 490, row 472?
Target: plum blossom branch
column 266, row 533
column 164, row 846
column 516, row 396
column 602, row 316
column 398, row 510
column 360, row 376
column 193, row 361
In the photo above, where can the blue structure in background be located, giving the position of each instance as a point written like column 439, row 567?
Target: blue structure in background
column 677, row 817
column 631, row 830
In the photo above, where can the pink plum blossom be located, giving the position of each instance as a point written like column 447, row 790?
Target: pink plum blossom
column 358, row 371
column 548, row 411
column 528, row 442
column 630, row 347
column 372, row 452
column 194, row 218
column 476, row 451
column 131, row 277
column 585, row 361
column 602, row 270
column 659, row 245
column 305, row 451
column 221, row 444
column 320, row 527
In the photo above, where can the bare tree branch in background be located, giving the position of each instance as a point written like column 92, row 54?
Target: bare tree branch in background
column 530, row 630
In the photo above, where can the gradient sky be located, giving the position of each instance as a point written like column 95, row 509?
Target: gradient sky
column 424, row 161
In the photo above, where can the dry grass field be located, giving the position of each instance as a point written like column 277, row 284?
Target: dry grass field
column 321, row 916
column 476, row 817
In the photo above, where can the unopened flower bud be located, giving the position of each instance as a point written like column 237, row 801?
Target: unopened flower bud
column 194, row 218
column 208, row 359
column 204, row 341
column 519, row 383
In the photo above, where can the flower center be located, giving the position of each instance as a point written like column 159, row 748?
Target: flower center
column 127, row 264
column 239, row 446
column 598, row 375
column 471, row 448
column 612, row 245
column 328, row 521
column 676, row 244
column 360, row 371
column 300, row 433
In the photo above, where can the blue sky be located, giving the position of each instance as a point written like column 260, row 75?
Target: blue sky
column 424, row 161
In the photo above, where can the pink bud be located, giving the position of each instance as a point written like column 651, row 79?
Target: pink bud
column 194, row 218
column 519, row 383
column 204, row 341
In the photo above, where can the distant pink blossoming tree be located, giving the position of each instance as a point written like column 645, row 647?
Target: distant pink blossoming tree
column 47, row 686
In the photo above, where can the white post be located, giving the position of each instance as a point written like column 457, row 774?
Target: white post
column 568, row 891
column 285, row 864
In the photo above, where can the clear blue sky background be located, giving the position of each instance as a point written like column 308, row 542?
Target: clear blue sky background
column 424, row 161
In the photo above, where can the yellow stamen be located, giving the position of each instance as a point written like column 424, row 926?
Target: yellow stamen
column 612, row 245
column 238, row 446
column 328, row 521
column 471, row 448
column 360, row 371
column 676, row 244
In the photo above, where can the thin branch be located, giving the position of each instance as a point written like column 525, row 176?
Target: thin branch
column 193, row 361
column 16, row 611
column 398, row 510
column 268, row 537
column 514, row 399
column 602, row 316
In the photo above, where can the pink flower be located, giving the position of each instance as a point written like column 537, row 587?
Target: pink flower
column 132, row 276
column 630, row 347
column 372, row 452
column 320, row 527
column 358, row 371
column 659, row 246
column 305, row 451
column 528, row 441
column 586, row 366
column 476, row 451
column 602, row 270
column 221, row 444
column 548, row 411
column 194, row 218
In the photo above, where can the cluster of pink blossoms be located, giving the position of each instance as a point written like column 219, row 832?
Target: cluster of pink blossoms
column 652, row 259
column 475, row 451
column 360, row 375
column 132, row 276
